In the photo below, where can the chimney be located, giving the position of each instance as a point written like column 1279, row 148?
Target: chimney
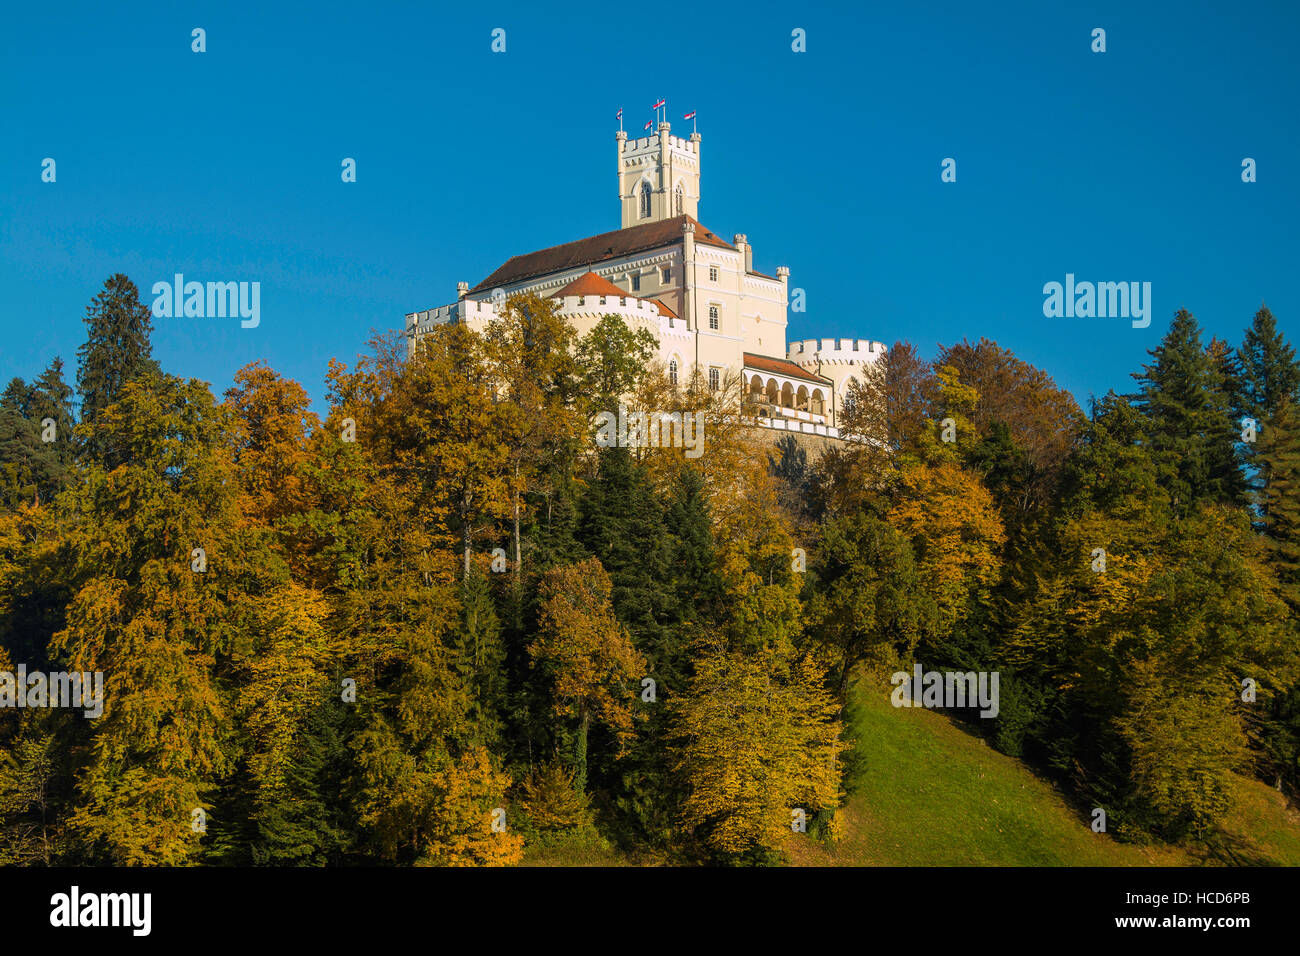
column 741, row 242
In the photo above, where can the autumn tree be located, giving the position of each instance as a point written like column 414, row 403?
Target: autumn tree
column 760, row 740
column 587, row 653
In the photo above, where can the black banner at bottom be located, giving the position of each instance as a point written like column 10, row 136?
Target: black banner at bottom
column 218, row 905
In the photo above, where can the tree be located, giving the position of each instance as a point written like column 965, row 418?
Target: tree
column 36, row 427
column 143, row 613
column 470, row 798
column 530, row 349
column 760, row 739
column 1277, row 496
column 116, row 351
column 868, row 602
column 587, row 653
column 613, row 359
column 1189, row 420
column 956, row 533
column 1269, row 372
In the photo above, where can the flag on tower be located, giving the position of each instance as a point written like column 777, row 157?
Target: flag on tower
column 620, row 112
column 659, row 104
column 690, row 115
column 647, row 124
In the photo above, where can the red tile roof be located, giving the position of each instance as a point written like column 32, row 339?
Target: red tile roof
column 763, row 363
column 608, row 245
column 663, row 309
column 591, row 284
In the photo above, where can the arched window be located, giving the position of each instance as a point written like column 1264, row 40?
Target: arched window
column 672, row 371
column 645, row 200
column 677, row 199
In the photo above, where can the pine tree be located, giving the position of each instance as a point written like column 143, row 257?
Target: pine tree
column 36, row 426
column 480, row 660
column 116, row 351
column 1185, row 399
column 1278, row 496
column 622, row 524
column 1269, row 372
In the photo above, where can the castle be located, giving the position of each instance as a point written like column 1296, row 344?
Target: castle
column 698, row 294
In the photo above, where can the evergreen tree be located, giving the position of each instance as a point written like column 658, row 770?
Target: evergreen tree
column 480, row 660
column 35, row 438
column 1269, row 372
column 1184, row 396
column 622, row 524
column 1277, row 497
column 116, row 351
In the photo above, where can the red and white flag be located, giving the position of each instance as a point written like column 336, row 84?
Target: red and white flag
column 690, row 115
column 659, row 104
column 647, row 124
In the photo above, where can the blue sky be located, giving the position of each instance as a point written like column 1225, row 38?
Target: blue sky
column 1122, row 166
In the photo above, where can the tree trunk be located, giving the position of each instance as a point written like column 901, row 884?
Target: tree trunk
column 580, row 777
column 519, row 555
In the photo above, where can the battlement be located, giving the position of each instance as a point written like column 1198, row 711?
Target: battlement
column 418, row 323
column 650, row 145
column 835, row 350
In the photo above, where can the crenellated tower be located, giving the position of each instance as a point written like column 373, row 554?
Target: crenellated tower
column 658, row 176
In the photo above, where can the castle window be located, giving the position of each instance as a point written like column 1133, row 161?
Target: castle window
column 636, row 283
column 672, row 371
column 713, row 317
column 714, row 379
column 645, row 200
column 713, row 273
column 668, row 276
column 678, row 199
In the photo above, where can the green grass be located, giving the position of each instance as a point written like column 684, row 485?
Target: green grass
column 931, row 794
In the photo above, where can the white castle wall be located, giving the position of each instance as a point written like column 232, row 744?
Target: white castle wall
column 840, row 360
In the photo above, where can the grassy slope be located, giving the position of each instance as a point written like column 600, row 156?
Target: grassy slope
column 933, row 795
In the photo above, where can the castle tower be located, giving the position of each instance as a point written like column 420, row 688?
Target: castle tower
column 658, row 176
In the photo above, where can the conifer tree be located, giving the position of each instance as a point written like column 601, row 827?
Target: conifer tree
column 1278, row 497
column 117, row 350
column 1269, row 372
column 1184, row 396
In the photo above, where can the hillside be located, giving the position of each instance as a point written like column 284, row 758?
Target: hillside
column 932, row 794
